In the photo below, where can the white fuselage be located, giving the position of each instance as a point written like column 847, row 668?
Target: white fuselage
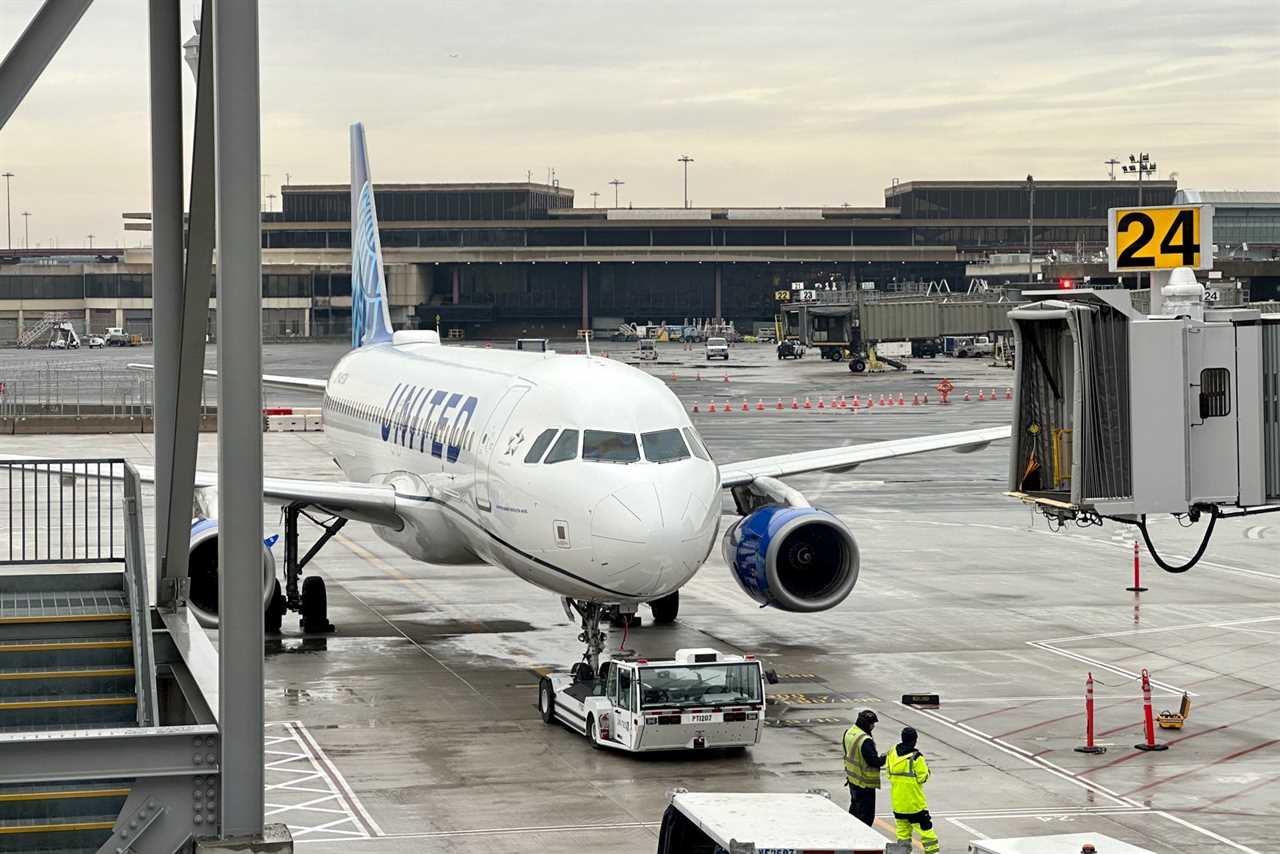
column 452, row 429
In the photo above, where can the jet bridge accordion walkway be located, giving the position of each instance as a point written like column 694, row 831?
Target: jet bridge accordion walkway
column 107, row 741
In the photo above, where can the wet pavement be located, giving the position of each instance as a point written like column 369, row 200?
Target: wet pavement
column 414, row 727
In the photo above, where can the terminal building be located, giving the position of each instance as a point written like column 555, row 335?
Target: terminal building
column 502, row 259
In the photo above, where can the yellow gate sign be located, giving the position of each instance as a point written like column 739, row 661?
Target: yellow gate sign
column 1160, row 238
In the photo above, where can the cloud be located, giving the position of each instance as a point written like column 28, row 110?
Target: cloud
column 806, row 102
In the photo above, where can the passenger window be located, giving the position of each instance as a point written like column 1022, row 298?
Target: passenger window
column 565, row 448
column 539, row 446
column 603, row 446
column 695, row 444
column 664, row 446
column 1215, row 392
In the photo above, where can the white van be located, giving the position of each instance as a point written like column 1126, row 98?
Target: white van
column 717, row 348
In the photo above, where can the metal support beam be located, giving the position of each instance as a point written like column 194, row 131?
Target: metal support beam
column 237, row 144
column 109, row 754
column 186, row 339
column 32, row 51
column 586, row 299
column 166, row 251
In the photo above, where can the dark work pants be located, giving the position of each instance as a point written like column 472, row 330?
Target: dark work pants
column 862, row 804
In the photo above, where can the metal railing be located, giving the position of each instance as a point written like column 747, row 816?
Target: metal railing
column 62, row 511
column 75, row 388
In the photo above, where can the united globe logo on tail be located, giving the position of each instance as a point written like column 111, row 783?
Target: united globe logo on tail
column 370, row 313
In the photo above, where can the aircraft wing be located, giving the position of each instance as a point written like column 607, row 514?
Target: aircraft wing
column 277, row 380
column 851, row 456
column 378, row 504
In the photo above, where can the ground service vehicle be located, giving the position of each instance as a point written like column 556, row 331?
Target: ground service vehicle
column 117, row 337
column 699, row 699
column 791, row 348
column 717, row 348
column 96, row 341
column 646, row 349
column 709, row 823
column 926, row 348
column 967, row 346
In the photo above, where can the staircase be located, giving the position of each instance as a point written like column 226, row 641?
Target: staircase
column 42, row 329
column 66, row 663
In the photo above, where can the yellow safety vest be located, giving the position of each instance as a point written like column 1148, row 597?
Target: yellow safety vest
column 907, row 774
column 856, row 770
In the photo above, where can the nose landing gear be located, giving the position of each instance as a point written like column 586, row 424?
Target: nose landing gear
column 591, row 634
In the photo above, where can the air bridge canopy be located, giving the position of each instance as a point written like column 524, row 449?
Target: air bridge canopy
column 1123, row 414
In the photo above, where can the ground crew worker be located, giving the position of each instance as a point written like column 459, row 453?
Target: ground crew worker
column 908, row 773
column 862, row 766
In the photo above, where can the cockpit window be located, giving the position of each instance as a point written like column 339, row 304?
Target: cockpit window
column 603, row 446
column 539, row 446
column 695, row 444
column 664, row 446
column 565, row 448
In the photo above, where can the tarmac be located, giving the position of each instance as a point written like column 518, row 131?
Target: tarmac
column 414, row 726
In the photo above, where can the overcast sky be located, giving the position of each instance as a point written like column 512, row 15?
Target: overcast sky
column 792, row 103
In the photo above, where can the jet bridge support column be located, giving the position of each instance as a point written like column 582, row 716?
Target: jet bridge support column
column 237, row 145
column 586, row 299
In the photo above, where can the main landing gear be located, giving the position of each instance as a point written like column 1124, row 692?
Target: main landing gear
column 309, row 599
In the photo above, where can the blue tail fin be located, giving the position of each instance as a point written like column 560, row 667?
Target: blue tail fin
column 370, row 313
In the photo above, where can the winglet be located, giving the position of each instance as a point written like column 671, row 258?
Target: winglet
column 370, row 312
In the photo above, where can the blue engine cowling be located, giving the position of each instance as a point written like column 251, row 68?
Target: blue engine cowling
column 793, row 558
column 202, row 572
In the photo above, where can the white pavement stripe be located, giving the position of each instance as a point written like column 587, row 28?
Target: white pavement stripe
column 977, row 834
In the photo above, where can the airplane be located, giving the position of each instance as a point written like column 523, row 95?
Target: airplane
column 581, row 475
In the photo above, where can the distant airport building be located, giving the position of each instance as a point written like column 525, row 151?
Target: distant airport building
column 497, row 259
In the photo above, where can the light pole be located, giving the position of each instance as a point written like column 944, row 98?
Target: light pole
column 1031, row 224
column 7, row 215
column 594, row 195
column 616, row 184
column 686, row 160
column 90, row 241
column 26, row 229
column 1111, row 167
column 271, row 200
column 1140, row 165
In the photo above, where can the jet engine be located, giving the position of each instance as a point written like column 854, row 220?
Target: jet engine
column 793, row 558
column 202, row 571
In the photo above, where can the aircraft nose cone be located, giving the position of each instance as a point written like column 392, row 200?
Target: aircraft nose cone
column 640, row 530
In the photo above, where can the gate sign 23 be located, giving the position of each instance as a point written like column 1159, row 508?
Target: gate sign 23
column 1160, row 238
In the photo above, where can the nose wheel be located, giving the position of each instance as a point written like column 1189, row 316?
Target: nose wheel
column 666, row 609
column 592, row 635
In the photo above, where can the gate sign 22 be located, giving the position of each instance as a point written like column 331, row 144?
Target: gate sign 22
column 1160, row 238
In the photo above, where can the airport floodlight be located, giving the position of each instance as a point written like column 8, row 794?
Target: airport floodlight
column 686, row 160
column 616, row 184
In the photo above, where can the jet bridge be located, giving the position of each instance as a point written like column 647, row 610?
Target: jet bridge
column 1118, row 414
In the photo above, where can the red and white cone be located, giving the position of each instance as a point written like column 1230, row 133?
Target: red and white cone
column 795, row 404
column 925, row 402
column 993, row 395
column 901, row 401
column 779, row 406
column 760, row 405
column 821, row 405
column 966, row 397
column 1008, row 394
column 856, row 402
column 695, row 407
column 746, row 407
column 844, row 404
column 808, row 404
column 726, row 377
column 980, row 397
column 712, row 407
column 915, row 400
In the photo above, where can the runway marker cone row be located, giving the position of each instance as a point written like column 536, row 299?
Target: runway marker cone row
column 853, row 404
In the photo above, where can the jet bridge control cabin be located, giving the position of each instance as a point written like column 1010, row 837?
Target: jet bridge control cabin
column 1121, row 414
